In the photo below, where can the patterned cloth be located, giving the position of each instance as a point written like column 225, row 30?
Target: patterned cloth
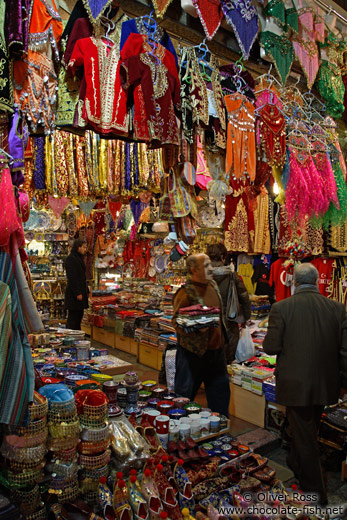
column 17, row 382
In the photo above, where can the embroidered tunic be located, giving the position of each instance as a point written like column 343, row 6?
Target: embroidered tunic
column 105, row 100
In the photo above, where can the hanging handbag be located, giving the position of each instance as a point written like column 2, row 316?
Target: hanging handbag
column 187, row 171
column 180, row 198
column 164, row 203
column 233, row 308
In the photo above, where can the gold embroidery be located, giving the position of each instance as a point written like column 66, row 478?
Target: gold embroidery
column 236, row 236
column 261, row 224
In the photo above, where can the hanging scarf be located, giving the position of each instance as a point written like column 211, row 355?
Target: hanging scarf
column 243, row 18
column 160, row 7
column 39, row 168
column 57, row 205
column 280, row 50
column 210, row 14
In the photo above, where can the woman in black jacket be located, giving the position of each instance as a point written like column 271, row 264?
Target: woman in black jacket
column 223, row 276
column 76, row 294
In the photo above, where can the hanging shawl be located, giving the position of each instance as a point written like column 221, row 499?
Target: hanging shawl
column 87, row 207
column 17, row 382
column 57, row 205
column 210, row 14
column 243, row 18
column 95, row 8
column 160, row 7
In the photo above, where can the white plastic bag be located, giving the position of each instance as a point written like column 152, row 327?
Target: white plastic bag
column 245, row 348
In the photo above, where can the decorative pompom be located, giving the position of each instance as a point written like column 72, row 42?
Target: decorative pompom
column 119, row 474
column 133, row 479
column 147, row 472
column 180, row 462
column 163, row 514
column 103, row 480
column 133, row 472
column 159, row 467
column 121, row 483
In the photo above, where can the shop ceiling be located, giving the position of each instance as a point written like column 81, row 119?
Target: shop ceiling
column 188, row 30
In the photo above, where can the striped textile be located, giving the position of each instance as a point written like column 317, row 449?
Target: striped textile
column 5, row 324
column 32, row 318
column 17, row 382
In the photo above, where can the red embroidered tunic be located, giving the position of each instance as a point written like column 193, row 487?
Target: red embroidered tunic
column 156, row 90
column 105, row 100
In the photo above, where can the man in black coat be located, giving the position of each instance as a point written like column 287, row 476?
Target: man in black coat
column 308, row 332
column 76, row 295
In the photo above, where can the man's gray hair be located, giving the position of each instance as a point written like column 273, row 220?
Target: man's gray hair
column 191, row 262
column 305, row 274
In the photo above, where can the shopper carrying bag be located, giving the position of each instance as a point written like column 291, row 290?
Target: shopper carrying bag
column 236, row 302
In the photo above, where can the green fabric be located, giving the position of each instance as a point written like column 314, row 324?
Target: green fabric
column 331, row 88
column 280, row 49
column 292, row 19
column 275, row 8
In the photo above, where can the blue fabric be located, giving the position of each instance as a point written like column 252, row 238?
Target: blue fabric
column 129, row 27
column 56, row 392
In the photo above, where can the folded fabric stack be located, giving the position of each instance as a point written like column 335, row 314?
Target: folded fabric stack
column 63, row 427
column 92, row 406
column 165, row 323
column 24, row 457
column 196, row 317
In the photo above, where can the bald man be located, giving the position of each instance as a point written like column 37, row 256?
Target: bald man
column 308, row 332
column 200, row 355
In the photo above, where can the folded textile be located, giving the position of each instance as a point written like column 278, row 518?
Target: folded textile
column 198, row 309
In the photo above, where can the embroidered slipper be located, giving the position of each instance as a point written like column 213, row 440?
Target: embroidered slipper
column 265, row 474
column 253, row 463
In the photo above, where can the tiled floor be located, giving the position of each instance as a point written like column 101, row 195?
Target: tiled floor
column 337, row 490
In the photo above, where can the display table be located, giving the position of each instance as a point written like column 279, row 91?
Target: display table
column 113, row 366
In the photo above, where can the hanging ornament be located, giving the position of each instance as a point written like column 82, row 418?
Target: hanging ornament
column 57, row 205
column 87, row 207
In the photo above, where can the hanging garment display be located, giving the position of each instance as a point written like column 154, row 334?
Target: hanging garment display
column 152, row 75
column 143, row 26
column 271, row 138
column 301, row 200
column 330, row 83
column 210, row 14
column 160, row 7
column 8, row 219
column 6, row 86
column 201, row 96
column 241, row 148
column 304, row 43
column 243, row 17
column 105, row 101
column 17, row 140
column 280, row 50
column 17, row 26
